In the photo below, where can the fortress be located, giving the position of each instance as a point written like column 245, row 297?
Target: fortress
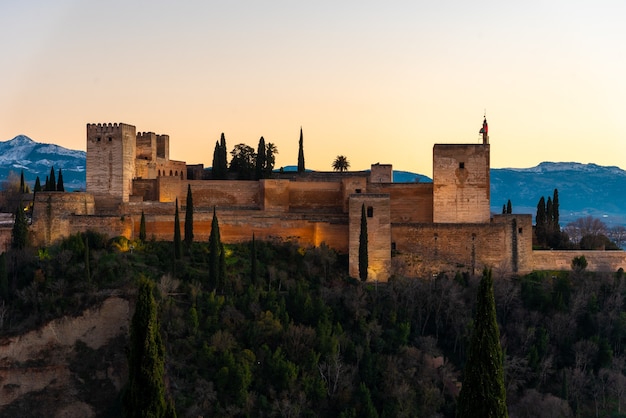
column 414, row 229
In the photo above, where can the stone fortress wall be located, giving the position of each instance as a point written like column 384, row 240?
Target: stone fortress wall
column 415, row 229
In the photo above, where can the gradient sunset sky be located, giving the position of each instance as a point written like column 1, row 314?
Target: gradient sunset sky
column 374, row 81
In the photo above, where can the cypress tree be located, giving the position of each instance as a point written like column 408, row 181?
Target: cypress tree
column 87, row 264
column 555, row 211
column 214, row 248
column 37, row 185
column 222, row 268
column 20, row 229
column 549, row 214
column 223, row 156
column 189, row 218
column 216, row 169
column 509, row 207
column 145, row 393
column 483, row 394
column 363, row 255
column 22, row 185
column 142, row 227
column 177, row 240
column 46, row 187
column 540, row 221
column 503, row 209
column 53, row 183
column 259, row 168
column 60, row 186
column 301, row 153
column 253, row 262
column 4, row 277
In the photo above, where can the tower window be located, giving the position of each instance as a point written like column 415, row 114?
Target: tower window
column 370, row 211
column 98, row 138
column 519, row 230
column 110, row 138
column 358, row 190
column 461, row 165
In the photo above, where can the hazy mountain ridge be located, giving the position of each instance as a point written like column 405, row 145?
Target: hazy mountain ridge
column 584, row 189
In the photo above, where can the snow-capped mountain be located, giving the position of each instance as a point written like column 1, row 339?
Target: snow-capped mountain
column 36, row 159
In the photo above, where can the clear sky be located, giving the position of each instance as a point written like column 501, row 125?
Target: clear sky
column 374, row 81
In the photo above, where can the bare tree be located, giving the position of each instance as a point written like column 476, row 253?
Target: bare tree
column 585, row 226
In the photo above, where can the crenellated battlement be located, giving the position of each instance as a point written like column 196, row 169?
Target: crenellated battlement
column 146, row 135
column 107, row 128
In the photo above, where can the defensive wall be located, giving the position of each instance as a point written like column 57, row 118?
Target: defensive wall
column 429, row 248
column 414, row 228
column 608, row 261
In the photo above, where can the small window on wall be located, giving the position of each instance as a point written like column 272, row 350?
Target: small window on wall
column 393, row 246
column 461, row 165
column 98, row 139
column 370, row 211
column 519, row 230
column 358, row 190
column 110, row 139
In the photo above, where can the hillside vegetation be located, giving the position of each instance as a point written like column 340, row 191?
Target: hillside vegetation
column 287, row 333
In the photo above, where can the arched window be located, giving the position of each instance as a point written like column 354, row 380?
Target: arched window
column 159, row 173
column 170, row 173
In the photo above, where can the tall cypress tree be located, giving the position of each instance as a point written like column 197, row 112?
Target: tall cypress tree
column 549, row 216
column 4, row 277
column 46, row 187
column 145, row 393
column 223, row 156
column 52, row 187
column 37, row 185
column 217, row 169
column 142, row 227
column 509, row 207
column 22, row 184
column 214, row 249
column 541, row 221
column 253, row 262
column 177, row 240
column 20, row 229
column 87, row 261
column 189, row 218
column 555, row 211
column 259, row 168
column 301, row 153
column 483, row 394
column 363, row 255
column 60, row 186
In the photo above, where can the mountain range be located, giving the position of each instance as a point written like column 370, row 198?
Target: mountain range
column 584, row 189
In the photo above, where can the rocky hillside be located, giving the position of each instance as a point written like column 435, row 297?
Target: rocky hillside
column 71, row 367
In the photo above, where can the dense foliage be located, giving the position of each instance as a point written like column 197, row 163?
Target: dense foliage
column 299, row 338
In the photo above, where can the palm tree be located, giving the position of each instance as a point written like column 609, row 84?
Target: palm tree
column 341, row 164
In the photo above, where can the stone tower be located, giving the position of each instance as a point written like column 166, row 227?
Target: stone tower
column 378, row 212
column 111, row 153
column 461, row 182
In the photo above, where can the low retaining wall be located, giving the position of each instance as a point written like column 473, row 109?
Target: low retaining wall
column 600, row 261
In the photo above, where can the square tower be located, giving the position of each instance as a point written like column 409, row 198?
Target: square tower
column 111, row 153
column 378, row 216
column 461, row 183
